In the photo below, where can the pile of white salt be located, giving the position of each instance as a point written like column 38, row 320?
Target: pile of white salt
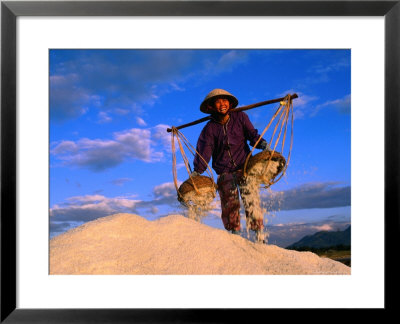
column 130, row 244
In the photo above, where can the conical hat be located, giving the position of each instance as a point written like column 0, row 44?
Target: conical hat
column 216, row 93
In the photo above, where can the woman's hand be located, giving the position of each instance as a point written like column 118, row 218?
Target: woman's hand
column 263, row 145
column 194, row 174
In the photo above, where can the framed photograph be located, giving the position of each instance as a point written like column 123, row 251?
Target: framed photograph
column 75, row 121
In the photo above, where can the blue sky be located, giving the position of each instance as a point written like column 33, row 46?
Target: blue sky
column 110, row 152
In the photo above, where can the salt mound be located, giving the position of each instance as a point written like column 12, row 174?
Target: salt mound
column 130, row 244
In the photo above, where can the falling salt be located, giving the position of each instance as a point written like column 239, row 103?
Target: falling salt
column 260, row 173
column 265, row 171
column 199, row 204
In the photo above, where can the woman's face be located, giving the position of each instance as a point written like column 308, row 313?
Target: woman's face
column 221, row 105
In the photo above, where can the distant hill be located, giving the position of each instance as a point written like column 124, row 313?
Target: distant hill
column 323, row 239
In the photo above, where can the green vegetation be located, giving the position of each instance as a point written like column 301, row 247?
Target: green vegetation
column 339, row 247
column 335, row 245
column 341, row 253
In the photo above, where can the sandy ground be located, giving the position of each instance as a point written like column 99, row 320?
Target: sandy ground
column 130, row 244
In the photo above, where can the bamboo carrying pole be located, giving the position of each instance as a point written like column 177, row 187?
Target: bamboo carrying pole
column 262, row 103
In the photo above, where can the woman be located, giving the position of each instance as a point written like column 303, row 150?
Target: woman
column 224, row 138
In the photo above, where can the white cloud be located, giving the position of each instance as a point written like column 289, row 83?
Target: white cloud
column 137, row 79
column 103, row 117
column 90, row 78
column 67, row 100
column 180, row 165
column 223, row 63
column 342, row 105
column 230, row 59
column 86, row 199
column 303, row 106
column 65, row 147
column 120, row 111
column 176, row 87
column 165, row 190
column 136, row 143
column 324, row 227
column 310, row 195
column 120, row 181
column 162, row 137
column 308, row 105
column 140, row 121
column 101, row 154
column 89, row 207
column 325, row 69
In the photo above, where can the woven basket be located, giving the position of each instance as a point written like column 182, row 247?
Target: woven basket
column 256, row 166
column 188, row 195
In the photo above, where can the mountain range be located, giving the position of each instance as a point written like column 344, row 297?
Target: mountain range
column 324, row 239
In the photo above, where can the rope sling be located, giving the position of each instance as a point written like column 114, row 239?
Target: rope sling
column 284, row 111
column 176, row 134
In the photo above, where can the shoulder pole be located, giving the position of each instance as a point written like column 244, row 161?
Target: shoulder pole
column 262, row 103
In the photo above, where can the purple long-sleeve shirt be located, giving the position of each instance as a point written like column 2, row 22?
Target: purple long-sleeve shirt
column 226, row 144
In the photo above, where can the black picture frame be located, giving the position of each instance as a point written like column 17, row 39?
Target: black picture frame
column 10, row 10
